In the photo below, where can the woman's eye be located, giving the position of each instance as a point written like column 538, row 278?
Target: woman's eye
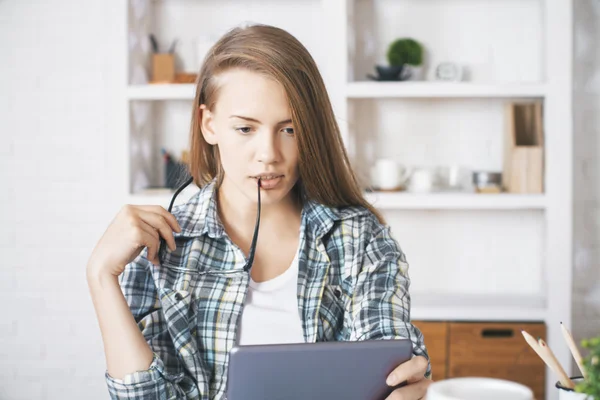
column 289, row 131
column 244, row 129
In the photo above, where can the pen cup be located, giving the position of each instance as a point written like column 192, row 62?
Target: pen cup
column 570, row 394
column 163, row 68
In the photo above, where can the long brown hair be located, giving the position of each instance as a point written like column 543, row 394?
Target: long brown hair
column 324, row 168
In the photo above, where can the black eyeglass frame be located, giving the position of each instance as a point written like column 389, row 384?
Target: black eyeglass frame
column 249, row 261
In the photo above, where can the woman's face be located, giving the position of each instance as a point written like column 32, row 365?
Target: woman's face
column 251, row 125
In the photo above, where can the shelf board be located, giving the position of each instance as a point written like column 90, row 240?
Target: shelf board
column 400, row 201
column 370, row 90
column 415, row 89
column 186, row 91
column 163, row 91
column 456, row 201
column 458, row 307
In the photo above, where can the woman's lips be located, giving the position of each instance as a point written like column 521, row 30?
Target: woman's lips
column 269, row 182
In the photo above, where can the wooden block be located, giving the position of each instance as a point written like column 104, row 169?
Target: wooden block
column 497, row 350
column 436, row 341
column 523, row 170
column 535, row 170
column 163, row 68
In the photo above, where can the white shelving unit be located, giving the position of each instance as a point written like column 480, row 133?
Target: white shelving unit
column 552, row 84
column 528, row 37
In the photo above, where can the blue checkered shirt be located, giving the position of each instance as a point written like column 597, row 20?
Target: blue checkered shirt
column 352, row 285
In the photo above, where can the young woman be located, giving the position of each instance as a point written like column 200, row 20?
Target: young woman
column 264, row 144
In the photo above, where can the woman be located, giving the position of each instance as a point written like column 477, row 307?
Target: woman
column 324, row 266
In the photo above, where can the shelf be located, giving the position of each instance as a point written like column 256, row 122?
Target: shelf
column 478, row 307
column 400, row 201
column 360, row 90
column 456, row 201
column 166, row 91
column 186, row 91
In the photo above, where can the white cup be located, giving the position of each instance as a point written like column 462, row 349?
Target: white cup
column 387, row 174
column 421, row 180
column 477, row 389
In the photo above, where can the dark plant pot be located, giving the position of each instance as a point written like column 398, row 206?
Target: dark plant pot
column 390, row 73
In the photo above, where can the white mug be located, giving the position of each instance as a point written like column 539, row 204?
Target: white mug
column 421, row 180
column 477, row 389
column 387, row 174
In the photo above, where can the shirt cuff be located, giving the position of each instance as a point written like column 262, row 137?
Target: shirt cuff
column 153, row 374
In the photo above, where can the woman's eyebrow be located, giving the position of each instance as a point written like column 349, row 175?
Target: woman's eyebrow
column 287, row 121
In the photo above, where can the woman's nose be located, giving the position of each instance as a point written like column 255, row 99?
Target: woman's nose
column 267, row 148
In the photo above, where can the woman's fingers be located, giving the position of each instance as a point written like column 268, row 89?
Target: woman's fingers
column 412, row 391
column 159, row 223
column 412, row 371
column 151, row 241
column 170, row 218
column 149, row 230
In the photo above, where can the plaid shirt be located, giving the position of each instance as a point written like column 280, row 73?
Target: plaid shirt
column 352, row 285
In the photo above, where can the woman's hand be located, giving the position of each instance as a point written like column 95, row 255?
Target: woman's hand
column 412, row 372
column 134, row 228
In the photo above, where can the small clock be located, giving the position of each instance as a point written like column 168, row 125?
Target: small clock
column 448, row 71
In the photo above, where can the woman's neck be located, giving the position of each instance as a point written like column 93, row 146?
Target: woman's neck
column 239, row 216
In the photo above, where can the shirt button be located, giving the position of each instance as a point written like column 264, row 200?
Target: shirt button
column 178, row 296
column 338, row 293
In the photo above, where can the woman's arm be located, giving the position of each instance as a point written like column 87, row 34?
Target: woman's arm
column 142, row 361
column 381, row 301
column 125, row 347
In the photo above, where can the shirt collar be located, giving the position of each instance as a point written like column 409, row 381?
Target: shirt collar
column 199, row 215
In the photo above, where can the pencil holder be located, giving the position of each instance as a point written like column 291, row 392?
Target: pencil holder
column 570, row 394
column 163, row 68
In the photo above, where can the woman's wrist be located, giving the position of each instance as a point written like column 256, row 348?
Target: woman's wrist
column 98, row 279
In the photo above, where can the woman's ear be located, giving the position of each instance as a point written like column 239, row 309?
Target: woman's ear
column 207, row 124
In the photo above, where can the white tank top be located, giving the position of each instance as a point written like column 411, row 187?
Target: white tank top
column 270, row 314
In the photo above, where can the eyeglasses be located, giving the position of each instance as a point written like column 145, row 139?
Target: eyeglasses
column 248, row 265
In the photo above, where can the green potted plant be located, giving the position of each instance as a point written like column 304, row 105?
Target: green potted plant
column 591, row 364
column 400, row 54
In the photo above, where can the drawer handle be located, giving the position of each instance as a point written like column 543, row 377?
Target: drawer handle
column 497, row 333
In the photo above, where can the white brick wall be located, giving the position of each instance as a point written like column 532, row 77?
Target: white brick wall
column 61, row 182
column 59, row 83
column 586, row 279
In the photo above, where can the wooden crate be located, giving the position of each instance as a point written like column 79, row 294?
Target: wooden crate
column 496, row 350
column 436, row 340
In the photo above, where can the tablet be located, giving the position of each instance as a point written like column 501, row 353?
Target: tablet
column 323, row 370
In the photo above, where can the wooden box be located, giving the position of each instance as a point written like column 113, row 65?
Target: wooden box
column 163, row 68
column 436, row 341
column 523, row 170
column 497, row 350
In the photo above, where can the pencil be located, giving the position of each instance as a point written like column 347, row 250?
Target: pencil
column 545, row 356
column 555, row 365
column 533, row 344
column 574, row 350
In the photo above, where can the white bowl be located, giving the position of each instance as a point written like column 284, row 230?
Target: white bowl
column 477, row 389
